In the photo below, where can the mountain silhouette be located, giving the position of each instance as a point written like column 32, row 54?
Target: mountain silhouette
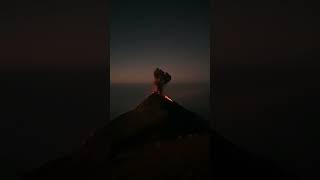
column 159, row 139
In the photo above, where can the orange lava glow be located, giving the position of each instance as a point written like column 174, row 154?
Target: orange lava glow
column 168, row 98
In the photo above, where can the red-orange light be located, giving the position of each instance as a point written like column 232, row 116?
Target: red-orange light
column 168, row 98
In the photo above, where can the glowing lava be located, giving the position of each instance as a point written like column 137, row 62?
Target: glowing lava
column 168, row 98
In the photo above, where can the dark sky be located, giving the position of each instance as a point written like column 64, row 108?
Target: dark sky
column 266, row 69
column 68, row 35
column 173, row 35
column 53, row 73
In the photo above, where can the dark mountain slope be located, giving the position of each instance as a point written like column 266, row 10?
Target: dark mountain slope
column 159, row 139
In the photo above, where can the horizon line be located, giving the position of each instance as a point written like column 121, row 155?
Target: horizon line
column 183, row 82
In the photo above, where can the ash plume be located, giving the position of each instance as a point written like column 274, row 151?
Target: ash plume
column 161, row 78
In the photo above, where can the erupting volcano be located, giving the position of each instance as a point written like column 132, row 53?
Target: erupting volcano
column 161, row 78
column 159, row 139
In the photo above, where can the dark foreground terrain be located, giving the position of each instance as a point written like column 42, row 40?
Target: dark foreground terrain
column 159, row 139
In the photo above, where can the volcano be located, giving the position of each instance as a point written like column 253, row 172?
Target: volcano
column 158, row 140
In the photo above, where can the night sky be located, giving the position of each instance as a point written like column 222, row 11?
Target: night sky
column 56, row 35
column 53, row 72
column 54, row 69
column 173, row 35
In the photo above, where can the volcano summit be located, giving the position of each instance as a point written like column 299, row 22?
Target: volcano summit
column 159, row 140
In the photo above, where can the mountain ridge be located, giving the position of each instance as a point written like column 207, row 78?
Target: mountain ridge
column 159, row 139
